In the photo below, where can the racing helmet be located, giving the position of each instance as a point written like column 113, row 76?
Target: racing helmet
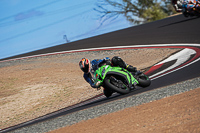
column 84, row 65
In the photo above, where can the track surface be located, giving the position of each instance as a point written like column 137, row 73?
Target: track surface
column 177, row 29
column 171, row 30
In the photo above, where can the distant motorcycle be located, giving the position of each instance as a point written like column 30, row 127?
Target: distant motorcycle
column 187, row 9
column 117, row 79
column 192, row 12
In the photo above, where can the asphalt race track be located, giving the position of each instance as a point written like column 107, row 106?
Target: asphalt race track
column 177, row 29
column 174, row 31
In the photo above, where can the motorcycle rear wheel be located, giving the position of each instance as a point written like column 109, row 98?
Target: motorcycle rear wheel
column 144, row 81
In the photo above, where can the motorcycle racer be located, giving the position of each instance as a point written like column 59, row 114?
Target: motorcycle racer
column 177, row 4
column 190, row 6
column 90, row 67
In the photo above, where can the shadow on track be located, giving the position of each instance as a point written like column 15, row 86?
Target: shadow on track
column 61, row 112
column 179, row 22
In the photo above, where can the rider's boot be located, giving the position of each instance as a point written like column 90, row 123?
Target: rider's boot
column 117, row 61
column 131, row 68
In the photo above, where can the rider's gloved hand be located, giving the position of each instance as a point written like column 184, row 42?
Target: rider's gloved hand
column 98, row 84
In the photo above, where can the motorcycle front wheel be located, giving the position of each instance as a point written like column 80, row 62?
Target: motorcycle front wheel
column 115, row 84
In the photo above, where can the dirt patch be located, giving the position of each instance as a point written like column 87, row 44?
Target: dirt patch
column 179, row 113
column 33, row 87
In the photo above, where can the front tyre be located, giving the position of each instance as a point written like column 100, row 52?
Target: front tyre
column 186, row 14
column 116, row 85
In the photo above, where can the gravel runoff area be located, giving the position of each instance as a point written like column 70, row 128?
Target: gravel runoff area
column 111, row 107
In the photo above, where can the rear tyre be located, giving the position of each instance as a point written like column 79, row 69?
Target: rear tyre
column 143, row 80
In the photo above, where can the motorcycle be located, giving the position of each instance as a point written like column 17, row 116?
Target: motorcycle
column 117, row 79
column 193, row 11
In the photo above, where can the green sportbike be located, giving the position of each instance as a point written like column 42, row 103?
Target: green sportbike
column 117, row 79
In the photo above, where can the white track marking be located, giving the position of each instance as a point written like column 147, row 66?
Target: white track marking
column 190, row 51
column 181, row 58
column 198, row 59
column 102, row 48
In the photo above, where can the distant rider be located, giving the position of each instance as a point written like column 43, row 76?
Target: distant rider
column 189, row 6
column 177, row 4
column 90, row 67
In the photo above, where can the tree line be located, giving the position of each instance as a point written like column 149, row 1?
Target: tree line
column 135, row 11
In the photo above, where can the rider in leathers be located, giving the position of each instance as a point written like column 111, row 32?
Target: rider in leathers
column 90, row 67
column 185, row 6
column 177, row 4
column 190, row 5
